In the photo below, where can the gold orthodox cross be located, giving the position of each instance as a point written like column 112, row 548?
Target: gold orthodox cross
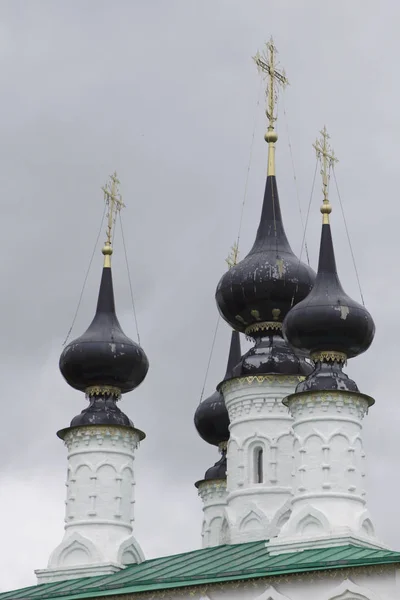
column 233, row 256
column 267, row 66
column 327, row 158
column 114, row 204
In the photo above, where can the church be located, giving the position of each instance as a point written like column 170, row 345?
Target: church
column 285, row 512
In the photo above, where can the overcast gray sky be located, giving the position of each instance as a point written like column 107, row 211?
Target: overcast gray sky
column 165, row 92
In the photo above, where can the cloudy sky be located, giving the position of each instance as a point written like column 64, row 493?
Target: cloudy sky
column 166, row 93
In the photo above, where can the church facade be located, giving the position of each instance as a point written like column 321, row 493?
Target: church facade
column 285, row 514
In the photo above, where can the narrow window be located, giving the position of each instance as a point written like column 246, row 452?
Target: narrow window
column 258, row 465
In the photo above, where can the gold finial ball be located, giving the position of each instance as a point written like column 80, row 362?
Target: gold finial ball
column 107, row 250
column 326, row 208
column 271, row 137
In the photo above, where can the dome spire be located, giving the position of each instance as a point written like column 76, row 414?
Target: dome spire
column 255, row 294
column 328, row 323
column 114, row 203
column 267, row 67
column 103, row 362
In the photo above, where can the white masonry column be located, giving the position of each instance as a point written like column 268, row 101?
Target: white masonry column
column 215, row 529
column 99, row 507
column 329, row 505
column 259, row 456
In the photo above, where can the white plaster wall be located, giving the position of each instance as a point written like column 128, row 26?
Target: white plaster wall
column 329, row 496
column 99, row 506
column 373, row 583
column 215, row 529
column 258, row 419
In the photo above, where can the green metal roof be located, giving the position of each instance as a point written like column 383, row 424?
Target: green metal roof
column 210, row 565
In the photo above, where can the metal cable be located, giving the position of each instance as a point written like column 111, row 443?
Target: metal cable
column 86, row 276
column 294, row 174
column 306, row 223
column 249, row 165
column 240, row 226
column 209, row 358
column 129, row 278
column 348, row 235
column 308, row 209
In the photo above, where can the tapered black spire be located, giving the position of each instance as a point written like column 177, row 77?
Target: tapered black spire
column 235, row 354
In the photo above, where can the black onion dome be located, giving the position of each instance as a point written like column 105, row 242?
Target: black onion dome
column 104, row 355
column 217, row 471
column 102, row 410
column 328, row 319
column 327, row 375
column 271, row 354
column 265, row 284
column 211, row 418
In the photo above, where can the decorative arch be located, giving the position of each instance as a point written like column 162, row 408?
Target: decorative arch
column 368, row 528
column 80, row 466
column 253, row 521
column 310, row 521
column 105, row 463
column 365, row 524
column 339, row 433
column 126, row 467
column 272, row 594
column 313, row 433
column 284, row 434
column 256, row 438
column 348, row 590
column 74, row 551
column 130, row 552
